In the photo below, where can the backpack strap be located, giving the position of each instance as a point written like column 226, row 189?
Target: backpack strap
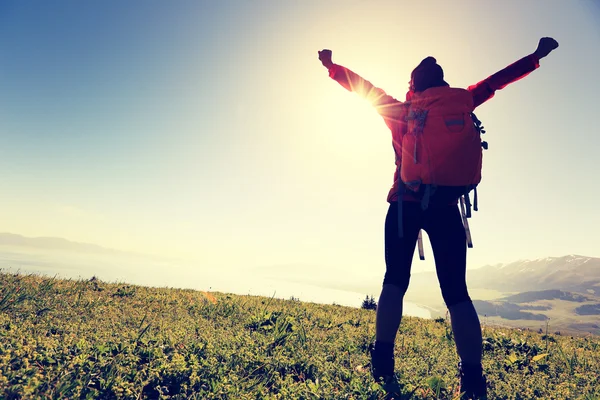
column 420, row 245
column 467, row 201
column 400, row 219
column 420, row 117
column 429, row 191
column 425, row 199
column 465, row 222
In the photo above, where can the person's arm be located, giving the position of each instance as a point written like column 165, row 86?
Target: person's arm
column 485, row 90
column 387, row 106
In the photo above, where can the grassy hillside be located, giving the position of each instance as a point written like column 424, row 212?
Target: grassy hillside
column 90, row 339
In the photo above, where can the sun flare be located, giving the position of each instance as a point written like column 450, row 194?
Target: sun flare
column 351, row 123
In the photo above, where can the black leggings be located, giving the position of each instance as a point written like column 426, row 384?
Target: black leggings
column 446, row 233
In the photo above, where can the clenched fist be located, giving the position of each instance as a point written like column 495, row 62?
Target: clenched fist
column 325, row 57
column 545, row 46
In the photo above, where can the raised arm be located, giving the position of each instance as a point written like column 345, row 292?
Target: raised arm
column 387, row 106
column 485, row 90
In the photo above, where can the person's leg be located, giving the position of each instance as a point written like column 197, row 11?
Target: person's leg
column 448, row 241
column 398, row 258
column 389, row 313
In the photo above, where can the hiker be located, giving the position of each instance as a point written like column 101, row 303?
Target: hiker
column 414, row 206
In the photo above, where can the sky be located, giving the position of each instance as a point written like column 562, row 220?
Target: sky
column 209, row 131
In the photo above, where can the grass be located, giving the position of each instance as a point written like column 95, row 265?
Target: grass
column 81, row 339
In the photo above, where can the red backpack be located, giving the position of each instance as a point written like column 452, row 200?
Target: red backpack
column 442, row 146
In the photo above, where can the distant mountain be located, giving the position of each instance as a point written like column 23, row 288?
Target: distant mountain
column 564, row 291
column 54, row 243
column 506, row 310
column 569, row 273
column 528, row 297
column 588, row 309
column 572, row 273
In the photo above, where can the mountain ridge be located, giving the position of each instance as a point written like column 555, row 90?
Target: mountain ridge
column 52, row 242
column 573, row 273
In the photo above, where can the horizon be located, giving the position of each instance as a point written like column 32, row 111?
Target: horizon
column 489, row 289
column 59, row 258
column 210, row 133
column 133, row 253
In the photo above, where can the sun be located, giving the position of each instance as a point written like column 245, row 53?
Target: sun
column 351, row 125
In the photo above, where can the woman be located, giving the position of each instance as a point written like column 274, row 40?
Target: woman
column 440, row 219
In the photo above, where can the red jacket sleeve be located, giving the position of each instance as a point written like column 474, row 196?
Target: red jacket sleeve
column 485, row 90
column 388, row 107
column 393, row 112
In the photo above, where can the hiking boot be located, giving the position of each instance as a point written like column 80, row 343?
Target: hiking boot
column 382, row 361
column 473, row 384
